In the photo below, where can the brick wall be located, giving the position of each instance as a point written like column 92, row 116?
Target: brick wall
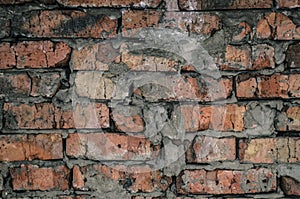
column 149, row 99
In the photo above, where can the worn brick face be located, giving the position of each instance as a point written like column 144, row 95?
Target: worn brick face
column 277, row 26
column 290, row 186
column 140, row 178
column 231, row 4
column 274, row 86
column 64, row 23
column 289, row 3
column 269, row 150
column 289, row 120
column 111, row 3
column 18, row 84
column 208, row 149
column 221, row 118
column 293, row 55
column 29, row 147
column 32, row 177
column 226, row 181
column 109, row 146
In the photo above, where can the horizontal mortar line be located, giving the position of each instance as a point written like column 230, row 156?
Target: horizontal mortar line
column 42, row 163
column 36, row 70
column 287, row 134
column 124, row 162
column 271, row 99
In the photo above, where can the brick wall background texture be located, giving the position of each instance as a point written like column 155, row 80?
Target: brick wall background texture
column 182, row 99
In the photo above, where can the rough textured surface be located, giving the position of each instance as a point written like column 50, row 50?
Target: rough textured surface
column 153, row 99
column 226, row 181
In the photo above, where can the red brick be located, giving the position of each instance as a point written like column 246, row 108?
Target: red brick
column 135, row 20
column 141, row 178
column 245, row 31
column 64, row 24
column 226, row 181
column 258, row 57
column 277, row 26
column 47, row 116
column 29, row 147
column 7, row 56
column 15, row 84
column 41, row 54
column 274, row 86
column 293, row 56
column 198, row 23
column 109, row 146
column 110, row 3
column 208, row 149
column 290, row 121
column 78, row 178
column 270, row 150
column 32, row 177
column 45, row 84
column 238, row 55
column 290, row 186
column 29, row 116
column 231, row 4
column 14, row 1
column 289, row 3
column 90, row 116
column 222, row 118
column 128, row 119
column 94, row 57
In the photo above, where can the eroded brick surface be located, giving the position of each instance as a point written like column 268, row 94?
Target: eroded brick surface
column 29, row 147
column 231, row 4
column 65, row 24
column 268, row 150
column 111, row 3
column 109, row 146
column 274, row 86
column 32, row 177
column 208, row 149
column 226, row 181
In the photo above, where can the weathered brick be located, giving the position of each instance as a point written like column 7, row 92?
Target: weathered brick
column 128, row 119
column 5, row 27
column 270, row 150
column 90, row 116
column 32, row 177
column 110, row 3
column 274, row 86
column 289, row 3
column 41, row 54
column 34, row 54
column 94, row 57
column 15, row 84
column 109, row 146
column 257, row 57
column 48, row 116
column 14, row 1
column 222, row 118
column 29, row 147
column 277, row 26
column 133, row 178
column 64, row 24
column 7, row 56
column 293, row 56
column 208, row 149
column 226, row 181
column 238, row 55
column 243, row 32
column 289, row 120
column 187, row 88
column 290, row 186
column 94, row 85
column 191, row 22
column 220, row 5
column 29, row 116
column 135, row 20
column 45, row 84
